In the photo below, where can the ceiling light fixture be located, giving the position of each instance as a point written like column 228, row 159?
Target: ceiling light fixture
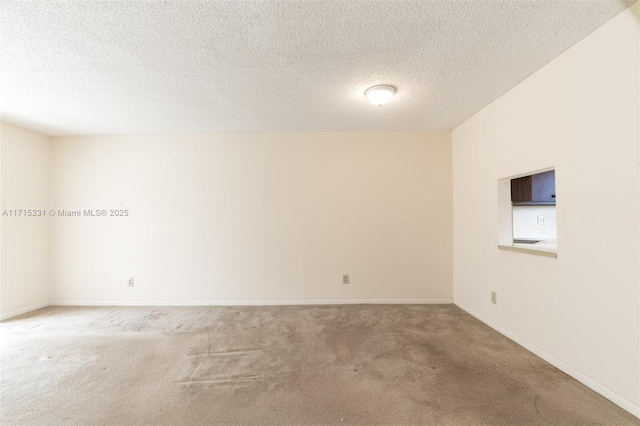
column 380, row 95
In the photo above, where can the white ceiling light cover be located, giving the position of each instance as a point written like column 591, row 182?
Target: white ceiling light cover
column 380, row 94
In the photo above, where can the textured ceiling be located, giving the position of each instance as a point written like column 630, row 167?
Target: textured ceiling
column 130, row 67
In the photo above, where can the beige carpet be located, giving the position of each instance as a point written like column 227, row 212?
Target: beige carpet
column 314, row 365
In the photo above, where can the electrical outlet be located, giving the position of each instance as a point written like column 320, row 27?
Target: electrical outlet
column 131, row 282
column 345, row 279
column 494, row 297
column 542, row 220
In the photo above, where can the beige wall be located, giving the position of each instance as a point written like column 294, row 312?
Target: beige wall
column 253, row 217
column 579, row 114
column 24, row 256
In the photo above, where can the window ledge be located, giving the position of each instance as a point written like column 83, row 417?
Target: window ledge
column 537, row 251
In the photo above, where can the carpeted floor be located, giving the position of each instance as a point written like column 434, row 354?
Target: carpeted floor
column 291, row 365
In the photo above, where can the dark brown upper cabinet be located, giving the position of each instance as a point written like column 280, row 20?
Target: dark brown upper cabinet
column 534, row 190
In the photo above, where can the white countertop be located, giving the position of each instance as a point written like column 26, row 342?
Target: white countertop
column 546, row 247
column 542, row 245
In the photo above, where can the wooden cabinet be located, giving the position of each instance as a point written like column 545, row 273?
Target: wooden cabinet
column 534, row 190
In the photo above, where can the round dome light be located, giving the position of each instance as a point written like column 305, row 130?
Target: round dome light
column 380, row 95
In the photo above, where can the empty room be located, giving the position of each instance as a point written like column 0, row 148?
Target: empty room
column 323, row 212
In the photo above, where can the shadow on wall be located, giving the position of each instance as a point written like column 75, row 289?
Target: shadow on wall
column 636, row 12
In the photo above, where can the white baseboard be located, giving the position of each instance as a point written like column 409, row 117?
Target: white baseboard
column 249, row 302
column 560, row 365
column 23, row 311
